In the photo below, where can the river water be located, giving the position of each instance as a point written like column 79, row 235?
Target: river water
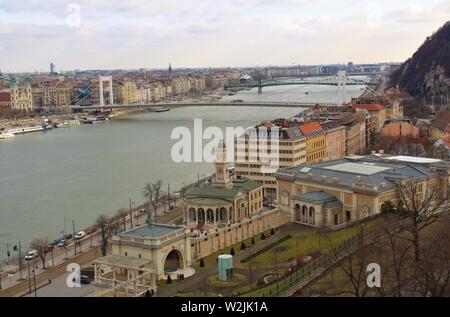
column 48, row 179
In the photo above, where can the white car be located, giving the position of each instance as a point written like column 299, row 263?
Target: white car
column 80, row 235
column 31, row 255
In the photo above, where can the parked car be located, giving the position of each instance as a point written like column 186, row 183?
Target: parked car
column 80, row 235
column 67, row 236
column 55, row 242
column 84, row 279
column 62, row 243
column 143, row 210
column 31, row 255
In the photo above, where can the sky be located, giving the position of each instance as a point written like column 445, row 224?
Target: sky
column 131, row 34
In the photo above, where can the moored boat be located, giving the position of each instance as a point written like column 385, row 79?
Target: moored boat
column 6, row 135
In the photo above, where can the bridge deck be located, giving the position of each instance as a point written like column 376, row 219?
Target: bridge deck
column 204, row 104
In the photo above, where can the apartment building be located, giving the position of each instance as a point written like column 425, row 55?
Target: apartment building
column 315, row 141
column 250, row 162
column 334, row 140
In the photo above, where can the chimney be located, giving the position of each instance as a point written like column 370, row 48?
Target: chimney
column 335, row 179
column 310, row 175
column 323, row 178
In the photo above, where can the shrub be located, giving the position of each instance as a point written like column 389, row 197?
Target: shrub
column 263, row 236
column 232, row 251
column 272, row 231
column 243, row 246
column 253, row 241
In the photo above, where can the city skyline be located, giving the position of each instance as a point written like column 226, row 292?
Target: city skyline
column 140, row 34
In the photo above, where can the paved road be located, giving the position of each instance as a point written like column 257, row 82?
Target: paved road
column 13, row 284
column 58, row 288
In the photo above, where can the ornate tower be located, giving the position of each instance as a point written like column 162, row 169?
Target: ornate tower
column 222, row 173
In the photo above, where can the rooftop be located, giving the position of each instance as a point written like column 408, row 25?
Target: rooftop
column 152, row 231
column 375, row 173
column 364, row 168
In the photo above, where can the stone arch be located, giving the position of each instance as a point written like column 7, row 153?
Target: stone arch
column 192, row 214
column 312, row 214
column 201, row 215
column 297, row 215
column 173, row 260
column 210, row 215
column 223, row 214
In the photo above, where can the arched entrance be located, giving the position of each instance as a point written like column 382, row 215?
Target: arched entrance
column 173, row 262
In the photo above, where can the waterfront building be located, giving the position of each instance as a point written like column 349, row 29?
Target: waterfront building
column 142, row 255
column 126, row 92
column 226, row 211
column 56, row 98
column 15, row 98
column 248, row 163
column 334, row 140
column 315, row 141
column 337, row 192
column 352, row 133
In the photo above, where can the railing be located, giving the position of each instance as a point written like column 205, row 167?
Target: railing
column 304, row 273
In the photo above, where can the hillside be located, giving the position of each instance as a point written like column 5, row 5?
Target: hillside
column 427, row 72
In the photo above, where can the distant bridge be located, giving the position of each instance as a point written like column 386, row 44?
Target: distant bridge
column 170, row 105
column 340, row 80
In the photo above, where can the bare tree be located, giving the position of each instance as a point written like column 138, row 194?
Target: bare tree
column 433, row 270
column 397, row 254
column 421, row 204
column 354, row 264
column 121, row 216
column 41, row 246
column 154, row 195
column 106, row 227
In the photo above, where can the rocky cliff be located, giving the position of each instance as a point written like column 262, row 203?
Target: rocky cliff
column 427, row 72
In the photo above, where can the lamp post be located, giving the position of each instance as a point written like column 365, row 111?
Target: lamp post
column 131, row 215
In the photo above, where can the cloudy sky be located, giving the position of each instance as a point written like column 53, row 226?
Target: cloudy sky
column 107, row 34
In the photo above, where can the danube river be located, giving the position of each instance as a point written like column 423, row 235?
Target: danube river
column 48, row 179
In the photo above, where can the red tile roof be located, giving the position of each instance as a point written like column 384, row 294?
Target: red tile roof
column 5, row 96
column 442, row 121
column 309, row 128
column 368, row 106
column 446, row 140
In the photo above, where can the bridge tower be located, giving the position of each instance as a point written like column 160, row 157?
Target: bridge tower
column 342, row 83
column 102, row 79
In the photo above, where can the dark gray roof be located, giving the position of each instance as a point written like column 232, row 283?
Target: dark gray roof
column 318, row 197
column 377, row 181
column 153, row 230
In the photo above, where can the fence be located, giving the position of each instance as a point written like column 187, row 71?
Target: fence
column 305, row 272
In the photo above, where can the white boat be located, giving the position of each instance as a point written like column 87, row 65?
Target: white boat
column 68, row 123
column 6, row 135
column 26, row 129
